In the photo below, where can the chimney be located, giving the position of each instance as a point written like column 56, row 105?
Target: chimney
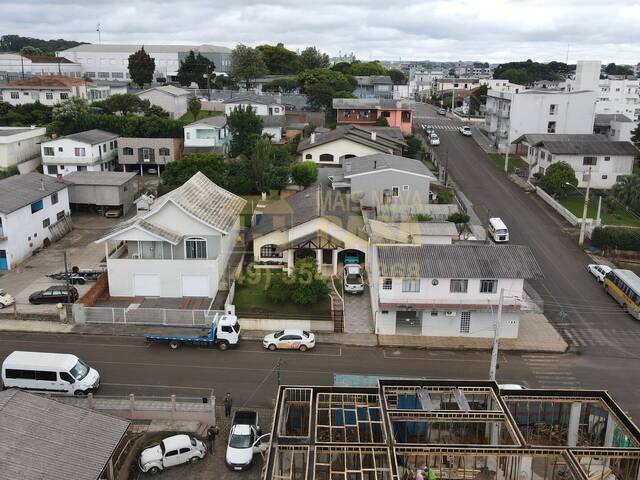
column 313, row 138
column 373, row 136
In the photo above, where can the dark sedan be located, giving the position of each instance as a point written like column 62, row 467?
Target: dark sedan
column 55, row 294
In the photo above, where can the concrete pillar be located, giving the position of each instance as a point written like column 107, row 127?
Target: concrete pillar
column 141, row 172
column 290, row 260
column 334, row 260
column 574, row 424
column 124, row 167
column 494, row 432
column 608, row 434
column 524, row 470
column 213, row 410
column 319, row 259
column 158, row 169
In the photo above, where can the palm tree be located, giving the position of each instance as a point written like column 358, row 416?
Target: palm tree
column 627, row 191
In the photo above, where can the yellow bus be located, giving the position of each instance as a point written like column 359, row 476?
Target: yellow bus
column 624, row 286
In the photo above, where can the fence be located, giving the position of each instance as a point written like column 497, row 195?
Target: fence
column 143, row 316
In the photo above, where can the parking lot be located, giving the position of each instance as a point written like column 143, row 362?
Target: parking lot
column 30, row 276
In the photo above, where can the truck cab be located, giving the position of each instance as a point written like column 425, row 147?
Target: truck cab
column 227, row 331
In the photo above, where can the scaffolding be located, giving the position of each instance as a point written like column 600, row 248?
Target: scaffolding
column 290, row 463
column 295, row 416
column 349, row 418
column 352, row 463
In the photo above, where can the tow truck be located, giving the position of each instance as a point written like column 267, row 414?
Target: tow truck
column 224, row 332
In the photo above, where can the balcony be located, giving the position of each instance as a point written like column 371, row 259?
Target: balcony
column 473, row 302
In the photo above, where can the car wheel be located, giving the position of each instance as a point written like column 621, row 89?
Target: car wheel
column 272, row 347
column 2, row 305
column 624, row 307
column 78, row 393
column 154, row 470
column 303, row 348
column 223, row 346
column 194, row 459
column 174, row 344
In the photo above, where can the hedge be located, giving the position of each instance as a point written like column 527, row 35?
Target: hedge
column 616, row 238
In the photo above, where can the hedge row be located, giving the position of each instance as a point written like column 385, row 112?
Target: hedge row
column 616, row 238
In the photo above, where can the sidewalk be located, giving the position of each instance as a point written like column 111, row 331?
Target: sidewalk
column 482, row 140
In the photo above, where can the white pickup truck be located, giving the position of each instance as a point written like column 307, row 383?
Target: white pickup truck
column 244, row 440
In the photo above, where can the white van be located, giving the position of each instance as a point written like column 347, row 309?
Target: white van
column 49, row 372
column 498, row 230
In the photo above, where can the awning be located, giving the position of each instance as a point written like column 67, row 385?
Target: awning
column 312, row 240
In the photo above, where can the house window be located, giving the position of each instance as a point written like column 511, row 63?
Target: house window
column 48, row 151
column 127, row 151
column 308, row 156
column 64, row 95
column 434, row 313
column 405, row 188
column 386, row 114
column 410, row 285
column 37, row 206
column 60, row 215
column 48, row 95
column 81, row 168
column 52, row 169
column 589, row 160
column 585, row 177
column 604, row 177
column 606, row 159
column 79, row 151
column 195, row 248
column 553, row 109
column 146, row 154
column 150, row 249
column 269, row 251
column 15, row 95
column 395, row 191
column 326, row 157
column 46, row 222
column 465, row 322
column 543, row 155
column 458, row 285
column 387, row 283
column 60, row 149
column 54, row 198
column 164, row 152
column 551, row 127
column 110, row 145
column 488, row 286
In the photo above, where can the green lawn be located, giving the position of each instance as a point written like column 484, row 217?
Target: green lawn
column 515, row 161
column 575, row 204
column 251, row 298
column 188, row 118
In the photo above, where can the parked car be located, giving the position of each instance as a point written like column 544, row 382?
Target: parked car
column 171, row 451
column 442, row 111
column 598, row 271
column 352, row 279
column 465, row 130
column 290, row 339
column 511, row 386
column 428, row 129
column 113, row 213
column 54, row 294
column 434, row 139
column 245, row 440
column 5, row 299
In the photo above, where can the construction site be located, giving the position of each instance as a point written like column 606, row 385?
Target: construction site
column 449, row 430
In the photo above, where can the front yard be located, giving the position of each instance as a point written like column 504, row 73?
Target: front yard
column 515, row 161
column 575, row 204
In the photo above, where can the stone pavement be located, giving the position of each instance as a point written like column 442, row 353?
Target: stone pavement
column 357, row 313
column 482, row 140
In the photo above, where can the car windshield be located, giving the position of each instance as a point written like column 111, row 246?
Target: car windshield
column 80, row 370
column 278, row 334
column 236, row 327
column 305, row 333
column 501, row 231
column 353, row 278
column 193, row 441
column 240, row 441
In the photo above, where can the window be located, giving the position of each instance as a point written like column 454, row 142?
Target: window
column 553, row 109
column 585, row 177
column 127, row 151
column 79, row 151
column 104, row 148
column 60, row 149
column 64, row 95
column 488, row 286
column 37, row 206
column 308, row 156
column 465, row 322
column 150, row 249
column 387, row 283
column 269, row 251
column 60, row 215
column 395, row 191
column 91, row 74
column 54, row 198
column 604, row 177
column 185, row 450
column 46, row 222
column 458, row 285
column 117, row 75
column 47, row 376
column 405, row 188
column 103, row 74
column 386, row 114
column 551, row 127
column 589, row 160
column 326, row 157
column 411, row 285
column 22, row 374
column 172, row 453
column 52, row 169
column 81, row 168
column 48, row 95
column 195, row 248
column 164, row 152
column 434, row 313
column 543, row 154
column 15, row 95
column 48, row 151
column 110, row 145
column 606, row 159
column 619, row 178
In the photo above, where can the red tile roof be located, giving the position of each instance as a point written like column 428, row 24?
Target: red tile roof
column 47, row 59
column 46, row 81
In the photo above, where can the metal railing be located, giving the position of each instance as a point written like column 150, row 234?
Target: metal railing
column 143, row 316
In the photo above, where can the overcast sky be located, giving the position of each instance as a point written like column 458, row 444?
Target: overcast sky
column 487, row 30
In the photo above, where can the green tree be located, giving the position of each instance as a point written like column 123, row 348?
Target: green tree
column 413, row 146
column 304, row 173
column 195, row 68
column 24, row 115
column 381, row 122
column 342, row 67
column 282, row 85
column 15, row 43
column 635, row 135
column 224, row 82
column 280, row 60
column 69, row 113
column 397, row 77
column 123, row 103
column 245, row 128
column 280, row 168
column 194, row 106
column 367, row 69
column 478, row 98
column 305, row 285
column 29, row 51
column 613, row 69
column 212, row 165
column 627, row 191
column 312, row 58
column 322, row 85
column 308, row 130
column 141, row 67
column 557, row 178
column 262, row 164
column 240, row 180
column 247, row 64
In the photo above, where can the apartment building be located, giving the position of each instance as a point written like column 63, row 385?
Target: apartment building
column 14, row 66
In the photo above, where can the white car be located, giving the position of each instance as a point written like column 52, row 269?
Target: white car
column 290, row 340
column 598, row 271
column 428, row 129
column 511, row 386
column 5, row 299
column 352, row 278
column 171, row 451
column 465, row 130
column 442, row 111
column 243, row 444
column 434, row 139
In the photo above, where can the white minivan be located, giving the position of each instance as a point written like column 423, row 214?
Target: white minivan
column 49, row 372
column 498, row 230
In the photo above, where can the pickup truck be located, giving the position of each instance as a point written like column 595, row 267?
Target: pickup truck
column 224, row 331
column 244, row 440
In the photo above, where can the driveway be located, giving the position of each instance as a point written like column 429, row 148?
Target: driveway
column 357, row 313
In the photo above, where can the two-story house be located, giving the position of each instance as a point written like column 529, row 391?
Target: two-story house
column 180, row 247
column 450, row 290
column 19, row 144
column 29, row 205
column 208, row 134
column 366, row 111
column 266, row 107
column 373, row 86
column 92, row 150
column 51, row 90
column 148, row 155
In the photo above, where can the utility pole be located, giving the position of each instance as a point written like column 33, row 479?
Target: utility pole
column 446, row 166
column 99, row 36
column 66, row 276
column 506, row 156
column 496, row 339
column 208, row 82
column 583, row 226
column 278, row 365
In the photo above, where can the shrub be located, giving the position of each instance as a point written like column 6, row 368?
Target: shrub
column 422, row 217
column 304, row 173
column 278, row 290
column 444, row 197
column 607, row 238
column 458, row 217
column 557, row 179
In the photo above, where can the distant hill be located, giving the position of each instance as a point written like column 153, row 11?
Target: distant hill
column 526, row 73
column 15, row 43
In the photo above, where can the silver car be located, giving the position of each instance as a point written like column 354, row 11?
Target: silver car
column 353, row 280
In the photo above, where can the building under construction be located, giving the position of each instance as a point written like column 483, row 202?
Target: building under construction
column 449, row 430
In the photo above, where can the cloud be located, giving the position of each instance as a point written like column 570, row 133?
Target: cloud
column 490, row 30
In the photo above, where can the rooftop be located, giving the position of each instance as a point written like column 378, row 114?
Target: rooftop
column 130, row 48
column 92, row 137
column 383, row 142
column 579, row 144
column 10, row 131
column 606, row 118
column 406, row 232
column 217, row 121
column 168, row 89
column 373, row 80
column 99, row 178
column 273, row 120
column 46, row 81
column 47, row 59
column 253, row 98
column 19, row 191
column 370, row 103
column 382, row 161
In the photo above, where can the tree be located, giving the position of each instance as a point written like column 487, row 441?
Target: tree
column 247, row 64
column 280, row 60
column 141, row 67
column 261, row 164
column 194, row 106
column 322, row 85
column 478, row 98
column 24, row 115
column 397, row 77
column 123, row 103
column 367, row 69
column 555, row 179
column 627, row 191
column 312, row 58
column 306, row 285
column 280, row 167
column 179, row 171
column 15, row 43
column 29, row 51
column 413, row 146
column 224, row 82
column 613, row 69
column 69, row 113
column 381, row 122
column 635, row 135
column 245, row 128
column 308, row 130
column 282, row 85
column 304, row 173
column 195, row 68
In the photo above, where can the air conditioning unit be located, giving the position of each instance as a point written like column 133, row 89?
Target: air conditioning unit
column 450, row 313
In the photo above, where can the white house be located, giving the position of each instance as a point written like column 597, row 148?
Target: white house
column 608, row 160
column 172, row 99
column 615, row 126
column 449, row 290
column 347, row 141
column 29, row 205
column 14, row 66
column 262, row 105
column 19, row 144
column 92, row 150
column 51, row 90
column 180, row 247
column 207, row 134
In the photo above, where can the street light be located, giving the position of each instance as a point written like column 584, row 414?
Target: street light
column 584, row 208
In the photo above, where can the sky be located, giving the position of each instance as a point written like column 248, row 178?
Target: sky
column 443, row 30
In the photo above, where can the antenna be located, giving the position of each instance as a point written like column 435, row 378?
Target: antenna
column 567, row 59
column 98, row 30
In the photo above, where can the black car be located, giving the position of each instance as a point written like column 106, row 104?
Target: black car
column 55, row 294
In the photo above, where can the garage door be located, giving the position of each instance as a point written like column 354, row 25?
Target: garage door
column 195, row 285
column 145, row 285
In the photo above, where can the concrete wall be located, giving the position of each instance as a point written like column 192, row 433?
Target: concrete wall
column 412, row 189
column 21, row 146
column 338, row 148
column 48, row 97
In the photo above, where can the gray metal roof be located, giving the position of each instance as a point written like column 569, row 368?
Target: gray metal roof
column 390, row 132
column 168, row 89
column 373, row 79
column 373, row 103
column 92, row 137
column 131, row 48
column 382, row 161
column 43, row 438
column 19, row 191
column 458, row 261
column 218, row 121
column 113, row 179
column 7, row 132
column 355, row 133
column 253, row 98
column 579, row 144
column 607, row 118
